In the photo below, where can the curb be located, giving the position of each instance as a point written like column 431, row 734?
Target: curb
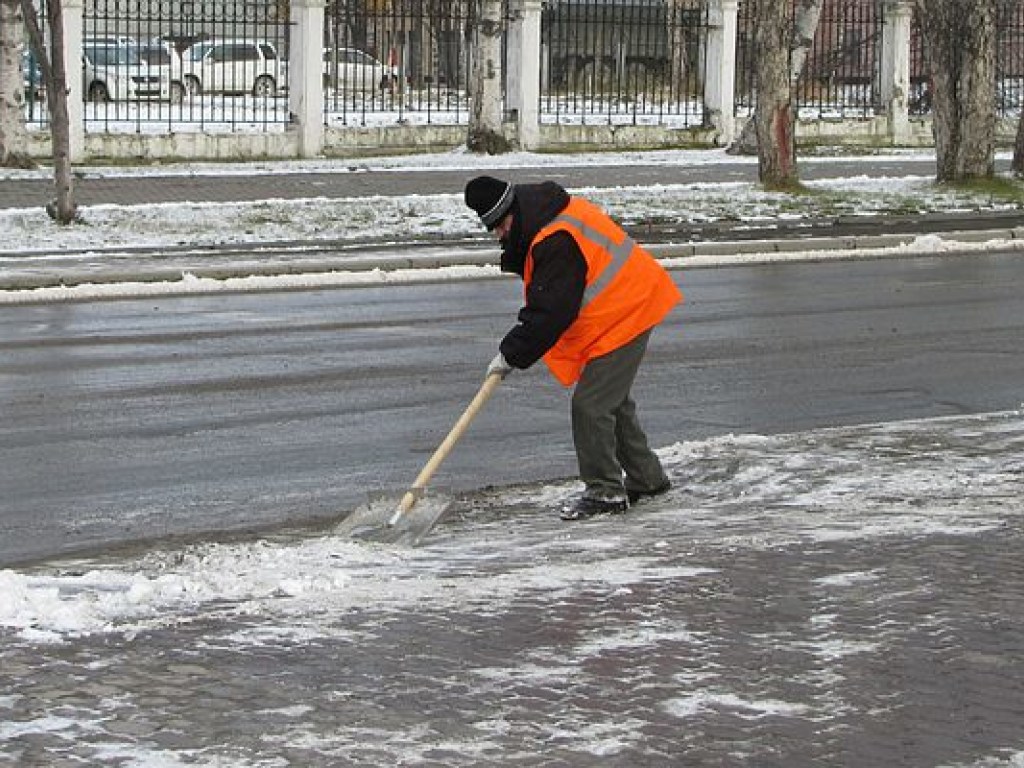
column 703, row 255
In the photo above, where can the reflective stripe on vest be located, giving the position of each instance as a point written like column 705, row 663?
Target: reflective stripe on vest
column 620, row 253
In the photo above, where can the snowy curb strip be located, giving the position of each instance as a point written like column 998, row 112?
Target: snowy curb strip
column 141, row 279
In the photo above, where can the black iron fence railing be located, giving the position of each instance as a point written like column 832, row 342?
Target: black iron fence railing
column 166, row 66
column 151, row 65
column 841, row 74
column 399, row 62
column 1010, row 58
column 623, row 62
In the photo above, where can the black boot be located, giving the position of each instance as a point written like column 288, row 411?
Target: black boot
column 587, row 506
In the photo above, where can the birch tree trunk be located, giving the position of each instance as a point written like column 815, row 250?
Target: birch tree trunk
column 13, row 134
column 960, row 37
column 774, row 117
column 805, row 24
column 485, row 133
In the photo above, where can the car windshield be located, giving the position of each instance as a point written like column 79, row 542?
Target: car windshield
column 197, row 51
column 112, row 55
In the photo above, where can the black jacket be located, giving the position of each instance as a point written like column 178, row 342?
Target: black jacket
column 559, row 278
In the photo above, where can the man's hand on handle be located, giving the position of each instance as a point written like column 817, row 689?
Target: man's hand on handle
column 499, row 365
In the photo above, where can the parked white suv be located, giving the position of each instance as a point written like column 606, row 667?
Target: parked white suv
column 161, row 57
column 234, row 66
column 113, row 70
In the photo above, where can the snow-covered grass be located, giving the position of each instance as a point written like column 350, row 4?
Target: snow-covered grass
column 402, row 217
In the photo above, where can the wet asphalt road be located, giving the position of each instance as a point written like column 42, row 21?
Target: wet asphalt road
column 131, row 419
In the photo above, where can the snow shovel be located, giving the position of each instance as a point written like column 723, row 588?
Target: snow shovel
column 418, row 511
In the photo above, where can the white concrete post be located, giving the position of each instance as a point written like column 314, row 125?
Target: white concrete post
column 74, row 25
column 896, row 69
column 305, row 75
column 720, row 77
column 523, row 73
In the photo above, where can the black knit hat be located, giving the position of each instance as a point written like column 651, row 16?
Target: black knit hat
column 491, row 198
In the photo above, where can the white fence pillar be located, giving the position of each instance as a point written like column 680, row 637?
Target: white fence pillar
column 305, row 75
column 720, row 76
column 74, row 26
column 895, row 83
column 523, row 72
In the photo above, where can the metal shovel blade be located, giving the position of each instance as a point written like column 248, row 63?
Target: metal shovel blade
column 378, row 521
column 406, row 520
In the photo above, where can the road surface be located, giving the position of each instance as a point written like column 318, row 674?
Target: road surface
column 136, row 419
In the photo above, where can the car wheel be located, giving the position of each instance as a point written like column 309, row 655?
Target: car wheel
column 264, row 88
column 98, row 93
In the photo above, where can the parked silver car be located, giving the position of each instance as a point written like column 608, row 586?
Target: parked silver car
column 349, row 69
column 113, row 70
column 234, row 66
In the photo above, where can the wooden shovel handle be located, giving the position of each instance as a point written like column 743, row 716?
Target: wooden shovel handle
column 409, row 499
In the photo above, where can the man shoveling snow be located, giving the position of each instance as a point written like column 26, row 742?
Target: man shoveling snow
column 592, row 298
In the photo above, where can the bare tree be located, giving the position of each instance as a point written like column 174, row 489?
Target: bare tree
column 62, row 209
column 807, row 14
column 13, row 134
column 775, row 115
column 960, row 38
column 1018, row 149
column 485, row 133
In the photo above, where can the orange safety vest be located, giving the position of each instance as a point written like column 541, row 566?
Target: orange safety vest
column 627, row 291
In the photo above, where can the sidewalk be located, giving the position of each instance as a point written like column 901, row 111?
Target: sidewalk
column 861, row 611
column 352, row 190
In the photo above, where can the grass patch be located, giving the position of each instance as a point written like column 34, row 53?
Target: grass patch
column 788, row 186
column 1003, row 188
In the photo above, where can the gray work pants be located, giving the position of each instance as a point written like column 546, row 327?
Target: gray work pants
column 611, row 447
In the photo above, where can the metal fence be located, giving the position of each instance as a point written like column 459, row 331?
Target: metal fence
column 155, row 65
column 610, row 61
column 841, row 77
column 630, row 62
column 920, row 97
column 406, row 62
column 401, row 62
column 222, row 65
column 36, row 112
column 1010, row 58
